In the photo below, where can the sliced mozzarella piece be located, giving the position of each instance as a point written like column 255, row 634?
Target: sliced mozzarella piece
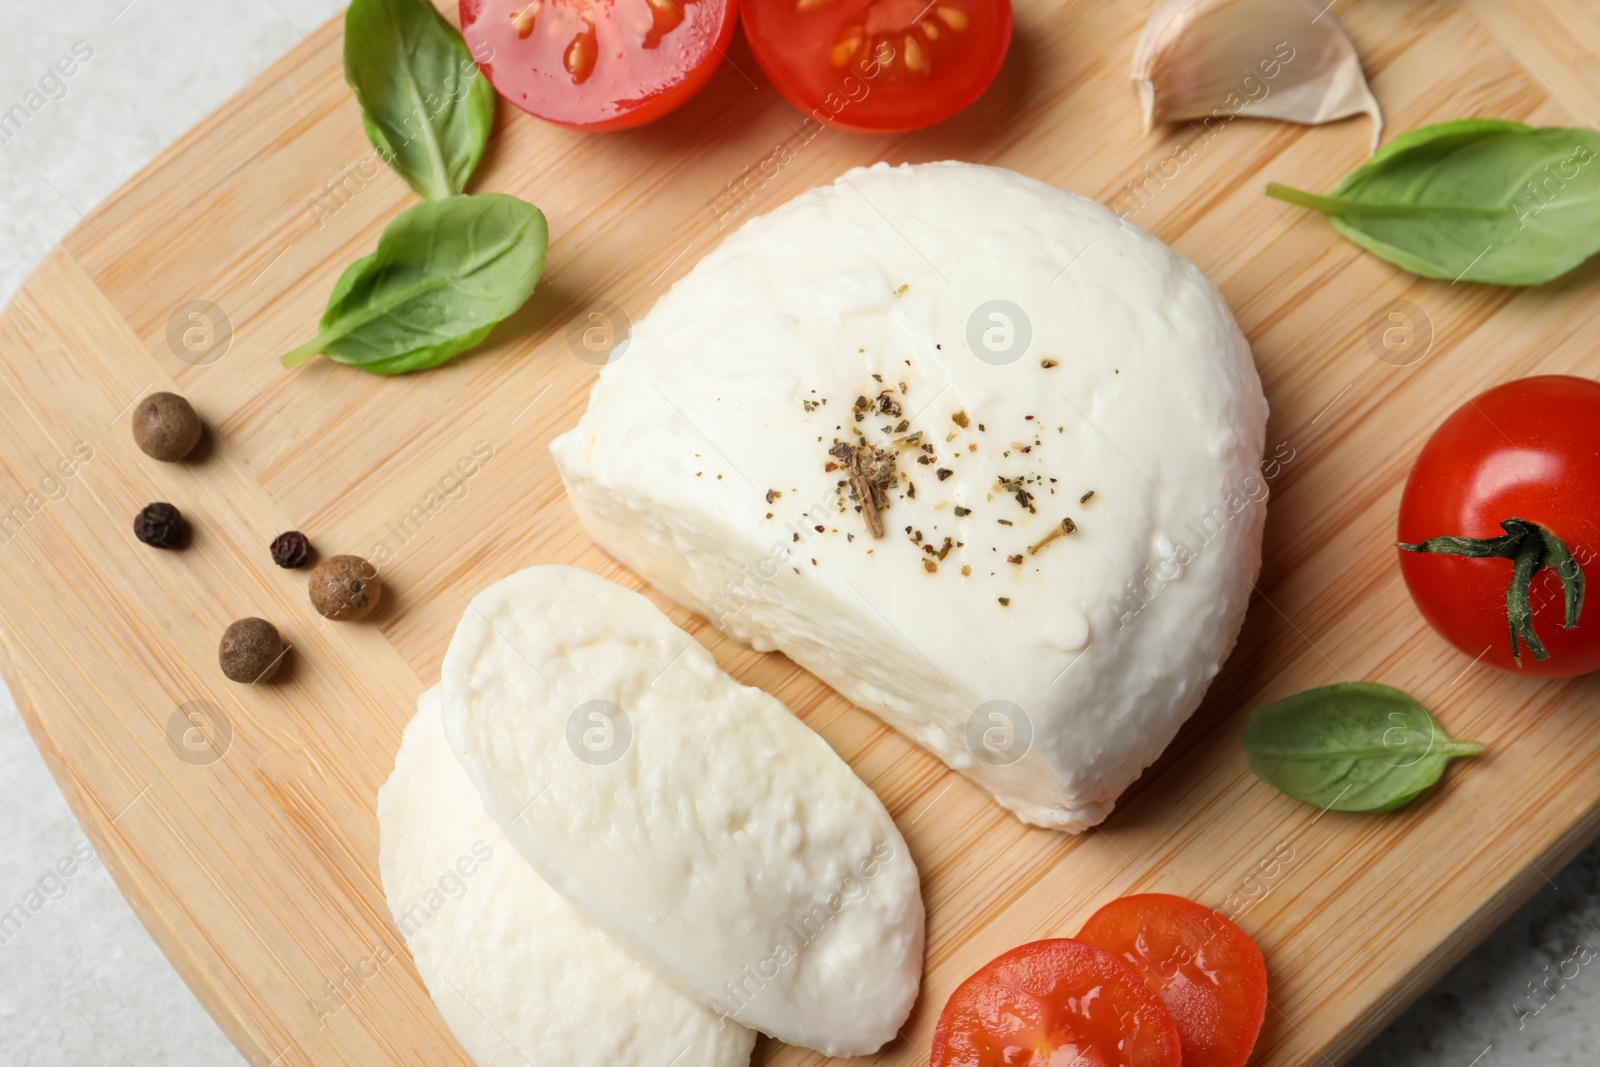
column 693, row 818
column 520, row 977
column 1014, row 349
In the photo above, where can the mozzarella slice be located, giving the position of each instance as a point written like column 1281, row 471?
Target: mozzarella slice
column 1013, row 348
column 518, row 975
column 694, row 819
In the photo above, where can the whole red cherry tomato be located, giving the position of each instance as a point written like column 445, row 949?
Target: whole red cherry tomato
column 598, row 65
column 1204, row 968
column 1051, row 1003
column 1500, row 521
column 879, row 65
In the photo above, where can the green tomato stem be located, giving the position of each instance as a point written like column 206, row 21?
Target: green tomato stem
column 1531, row 547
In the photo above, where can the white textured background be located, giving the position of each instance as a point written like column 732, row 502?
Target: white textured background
column 82, row 984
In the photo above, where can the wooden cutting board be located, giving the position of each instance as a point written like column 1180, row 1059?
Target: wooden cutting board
column 239, row 821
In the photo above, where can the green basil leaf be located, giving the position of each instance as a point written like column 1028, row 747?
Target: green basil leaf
column 425, row 106
column 1478, row 200
column 445, row 273
column 1356, row 746
column 379, row 140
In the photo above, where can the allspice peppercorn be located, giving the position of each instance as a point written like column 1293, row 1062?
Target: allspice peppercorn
column 161, row 526
column 251, row 651
column 345, row 588
column 166, row 427
column 291, row 549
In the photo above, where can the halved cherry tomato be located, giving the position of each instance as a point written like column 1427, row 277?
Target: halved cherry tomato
column 1052, row 1003
column 1501, row 516
column 1205, row 969
column 879, row 65
column 598, row 64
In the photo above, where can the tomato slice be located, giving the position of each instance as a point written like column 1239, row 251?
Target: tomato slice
column 879, row 65
column 1053, row 1004
column 598, row 64
column 1206, row 970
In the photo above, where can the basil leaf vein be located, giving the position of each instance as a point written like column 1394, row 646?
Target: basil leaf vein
column 1478, row 200
column 444, row 274
column 424, row 104
column 1356, row 746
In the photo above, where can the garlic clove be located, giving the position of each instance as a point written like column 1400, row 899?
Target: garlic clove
column 1278, row 59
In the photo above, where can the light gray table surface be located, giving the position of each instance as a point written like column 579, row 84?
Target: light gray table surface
column 81, row 983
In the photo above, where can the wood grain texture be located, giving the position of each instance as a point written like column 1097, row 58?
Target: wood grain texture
column 256, row 872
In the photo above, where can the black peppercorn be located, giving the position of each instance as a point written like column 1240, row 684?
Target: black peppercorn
column 291, row 549
column 160, row 526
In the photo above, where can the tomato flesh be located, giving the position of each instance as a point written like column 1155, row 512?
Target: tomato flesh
column 598, row 64
column 879, row 65
column 1527, row 449
column 1055, row 1003
column 1206, row 970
